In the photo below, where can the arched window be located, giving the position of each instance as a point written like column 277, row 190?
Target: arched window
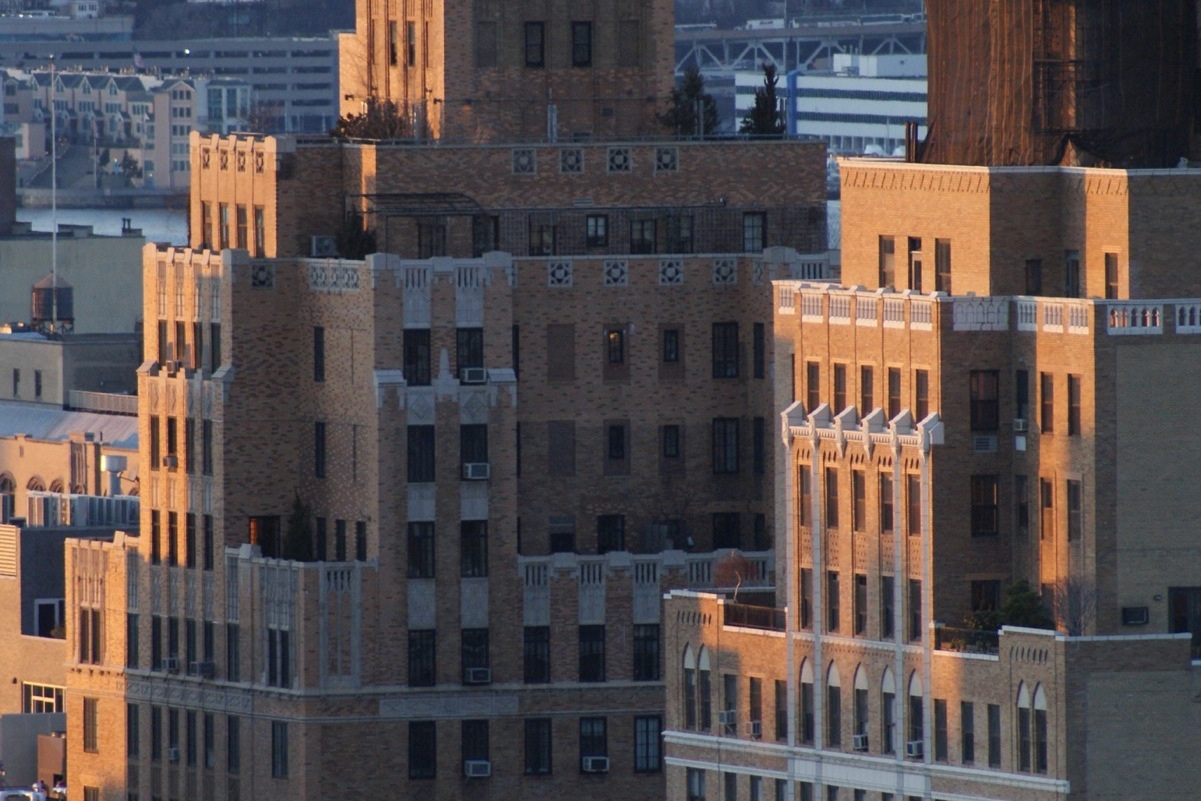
column 705, row 690
column 916, row 717
column 7, row 484
column 861, row 709
column 56, row 485
column 807, row 722
column 888, row 712
column 1023, row 727
column 689, row 689
column 36, row 484
column 1040, row 730
column 833, row 707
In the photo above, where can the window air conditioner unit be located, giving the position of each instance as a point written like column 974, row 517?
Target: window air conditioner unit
column 323, row 247
column 984, row 443
column 170, row 665
column 476, row 471
column 596, row 764
column 473, row 375
column 172, row 754
column 728, row 717
column 1019, row 425
column 756, row 729
column 913, row 748
column 478, row 675
column 860, row 742
column 170, row 462
column 477, row 769
column 205, row 670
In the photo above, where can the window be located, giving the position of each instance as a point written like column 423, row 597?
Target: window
column 915, row 612
column 1021, row 499
column 1111, row 275
column 132, row 655
column 474, row 741
column 133, row 731
column 725, row 445
column 190, row 739
column 37, row 383
column 242, row 227
column 90, row 725
column 648, row 752
column 725, row 350
column 942, row 265
column 1071, row 274
column 535, row 51
column 730, row 792
column 423, row 749
column 984, row 505
column 596, row 230
column 41, row 699
column 915, row 264
column 858, row 500
column 808, row 720
column 223, row 226
column 729, row 688
column 726, row 530
column 860, row 603
column 670, row 437
column 671, row 345
column 340, row 540
column 940, row 730
column 233, row 742
column 1075, row 515
column 866, row 397
column 421, row 550
column 1021, row 386
column 894, row 392
column 921, row 394
column 840, row 388
column 1040, row 730
column 696, row 784
column 469, row 349
column 813, row 385
column 422, row 658
column 984, row 412
column 831, row 497
column 593, row 739
column 759, row 440
column 967, row 732
column 888, row 715
column 994, row 735
column 473, row 443
column 417, row 356
column 888, row 268
column 473, row 649
column 155, row 446
column 473, row 544
column 319, row 449
column 536, row 654
column 615, row 350
column 592, row 653
column 805, row 493
column 1034, row 276
column 617, row 451
column 754, row 232
column 886, row 504
column 646, row 652
column 420, row 454
column 610, row 533
column 759, row 355
column 90, row 636
column 542, row 239
column 485, row 228
column 1073, row 406
column 833, row 708
column 781, row 706
column 1024, row 729
column 985, row 595
column 832, row 599
column 537, row 746
column 279, row 658
column 206, row 446
column 1046, row 502
column 643, row 236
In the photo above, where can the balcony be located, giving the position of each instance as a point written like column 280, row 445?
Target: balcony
column 968, row 641
column 768, row 618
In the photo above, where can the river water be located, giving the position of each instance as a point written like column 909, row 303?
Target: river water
column 169, row 226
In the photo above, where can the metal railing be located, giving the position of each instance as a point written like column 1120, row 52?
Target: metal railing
column 107, row 402
column 971, row 641
column 769, row 618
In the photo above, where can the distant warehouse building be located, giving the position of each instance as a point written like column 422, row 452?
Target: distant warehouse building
column 860, row 106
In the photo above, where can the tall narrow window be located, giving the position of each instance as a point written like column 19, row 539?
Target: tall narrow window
column 942, row 265
column 318, row 353
column 984, row 505
column 581, row 44
column 940, row 730
column 319, row 449
column 1111, row 276
column 1073, row 405
column 985, row 408
column 915, row 264
column 806, row 598
column 867, row 399
column 894, row 392
column 260, row 232
column 243, row 228
column 921, row 394
column 725, row 445
column 967, row 732
column 831, row 497
column 1047, row 399
column 887, row 607
column 754, row 232
column 592, row 653
column 994, row 735
column 913, row 514
column 393, row 44
column 411, row 43
column 535, row 47
column 223, row 226
column 536, row 654
column 813, row 386
column 725, row 350
column 1021, row 393
column 833, row 708
column 1046, row 502
column 915, row 611
column 1075, row 515
column 832, row 600
column 888, row 267
column 886, row 504
column 840, row 388
column 1034, row 277
column 858, row 500
column 860, row 603
column 423, row 753
column 473, row 548
column 417, row 356
column 1021, row 504
column 1071, row 274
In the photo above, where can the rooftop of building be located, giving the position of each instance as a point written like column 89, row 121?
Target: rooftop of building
column 38, row 421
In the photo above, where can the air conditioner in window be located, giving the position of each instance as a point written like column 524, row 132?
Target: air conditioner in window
column 477, row 769
column 913, row 748
column 323, row 247
column 170, row 665
column 860, row 742
column 476, row 471
column 595, row 764
column 473, row 375
column 478, row 675
column 756, row 729
column 1019, row 425
column 728, row 717
column 984, row 443
column 172, row 754
column 205, row 670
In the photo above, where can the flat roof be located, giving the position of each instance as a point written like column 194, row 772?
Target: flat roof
column 53, row 424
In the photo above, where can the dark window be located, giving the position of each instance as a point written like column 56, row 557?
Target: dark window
column 671, row 345
column 806, row 598
column 1075, row 515
column 984, row 505
column 206, row 446
column 813, row 386
column 131, row 641
column 754, row 232
column 535, row 48
column 473, row 650
column 279, row 749
column 781, row 706
column 421, row 454
column 393, row 45
column 858, row 500
column 592, row 653
column 596, row 230
column 485, row 229
column 940, row 730
column 867, row 400
column 190, row 740
column 617, row 448
column 610, row 533
column 233, row 743
column 164, row 355
column 279, row 658
column 986, row 595
column 473, row 548
column 725, row 350
column 340, row 540
column 411, row 43
column 915, row 614
column 646, row 652
column 133, row 731
column 173, row 538
column 423, row 749
column 1111, row 275
column 805, row 492
column 831, row 497
column 264, row 532
column 1034, row 276
column 671, row 442
column 615, row 351
column 832, row 611
column 536, row 654
column 840, row 388
column 887, row 607
column 759, row 354
column 473, row 443
column 422, row 658
column 91, row 725
column 1046, row 421
column 860, row 603
column 1046, row 494
column 469, row 349
column 985, row 414
column 648, row 750
column 725, row 445
column 726, row 533
column 155, row 442
column 915, row 264
column 921, row 395
column 942, row 265
column 1071, row 274
column 421, row 550
column 542, row 239
column 581, row 45
column 808, row 715
column 894, row 392
column 1073, row 405
column 319, row 449
column 417, row 356
column 474, row 741
column 593, row 739
column 967, row 732
column 642, row 236
column 679, row 233
column 156, row 733
column 1021, row 387
column 833, row 717
column 537, row 746
column 233, row 650
column 360, row 540
column 1021, row 501
column 888, row 268
column 189, row 445
column 886, row 504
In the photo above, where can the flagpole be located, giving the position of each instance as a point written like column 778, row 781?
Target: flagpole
column 53, row 203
